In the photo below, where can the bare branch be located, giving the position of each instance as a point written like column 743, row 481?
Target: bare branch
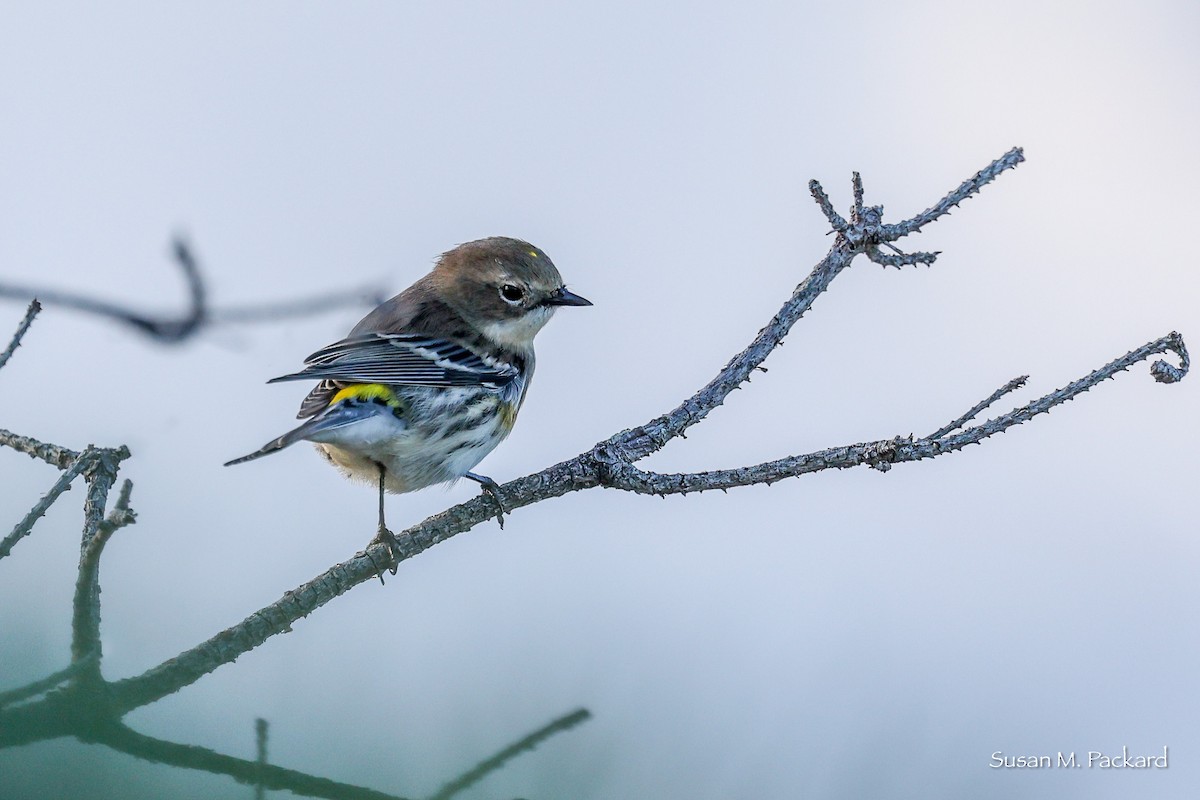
column 164, row 329
column 969, row 187
column 85, row 625
column 198, row 314
column 189, row 666
column 121, row 514
column 121, row 737
column 835, row 219
column 609, row 463
column 633, row 445
column 1011, row 386
column 260, row 742
column 883, row 453
column 526, row 743
column 1168, row 373
column 52, row 454
column 365, row 296
column 43, row 685
column 900, row 259
column 637, row 443
column 30, row 313
column 1171, row 343
column 25, row 526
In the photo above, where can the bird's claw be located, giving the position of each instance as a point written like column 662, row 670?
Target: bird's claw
column 388, row 540
column 493, row 489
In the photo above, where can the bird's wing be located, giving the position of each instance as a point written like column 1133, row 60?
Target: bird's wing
column 403, row 358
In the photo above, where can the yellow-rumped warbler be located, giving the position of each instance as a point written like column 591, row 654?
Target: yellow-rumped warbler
column 431, row 381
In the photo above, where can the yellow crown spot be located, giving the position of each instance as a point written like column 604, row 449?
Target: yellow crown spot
column 368, row 392
column 534, row 254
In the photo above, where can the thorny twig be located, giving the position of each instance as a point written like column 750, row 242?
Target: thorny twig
column 85, row 625
column 975, row 410
column 25, row 526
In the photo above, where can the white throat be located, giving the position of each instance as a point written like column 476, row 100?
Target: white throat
column 517, row 334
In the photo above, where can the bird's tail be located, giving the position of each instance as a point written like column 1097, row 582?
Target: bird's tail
column 337, row 416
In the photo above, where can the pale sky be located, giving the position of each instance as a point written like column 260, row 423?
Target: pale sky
column 842, row 635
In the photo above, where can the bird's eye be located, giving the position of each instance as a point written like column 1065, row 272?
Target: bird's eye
column 511, row 294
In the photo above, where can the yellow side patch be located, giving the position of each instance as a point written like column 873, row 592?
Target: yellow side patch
column 367, row 391
column 508, row 416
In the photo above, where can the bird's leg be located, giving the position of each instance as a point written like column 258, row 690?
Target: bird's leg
column 492, row 488
column 384, row 536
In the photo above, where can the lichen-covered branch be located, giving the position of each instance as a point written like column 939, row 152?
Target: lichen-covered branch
column 121, row 514
column 97, row 528
column 975, row 410
column 610, row 463
column 25, row 526
column 886, row 452
column 52, row 454
column 852, row 239
column 967, row 189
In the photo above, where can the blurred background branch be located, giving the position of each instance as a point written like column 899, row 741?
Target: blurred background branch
column 199, row 315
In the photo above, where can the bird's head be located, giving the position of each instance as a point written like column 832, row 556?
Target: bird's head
column 506, row 288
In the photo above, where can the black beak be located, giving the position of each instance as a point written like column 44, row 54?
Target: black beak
column 562, row 297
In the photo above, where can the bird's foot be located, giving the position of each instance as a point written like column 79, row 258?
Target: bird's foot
column 493, row 489
column 388, row 540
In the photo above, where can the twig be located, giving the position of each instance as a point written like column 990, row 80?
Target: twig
column 260, row 742
column 880, row 454
column 835, row 219
column 965, row 190
column 42, row 685
column 121, row 737
column 30, row 313
column 121, row 514
column 495, row 762
column 1011, row 386
column 52, row 454
column 198, row 314
column 631, row 446
column 900, row 259
column 164, row 329
column 25, row 526
column 302, row 307
column 85, row 625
